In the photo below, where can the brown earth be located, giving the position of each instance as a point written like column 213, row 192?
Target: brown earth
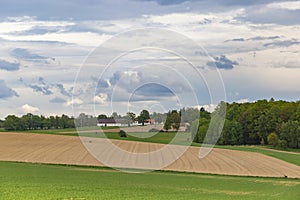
column 42, row 148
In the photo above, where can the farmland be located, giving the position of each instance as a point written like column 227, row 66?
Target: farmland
column 77, row 175
column 36, row 181
column 165, row 138
column 45, row 148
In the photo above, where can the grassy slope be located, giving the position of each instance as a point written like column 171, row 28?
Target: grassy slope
column 285, row 156
column 162, row 138
column 33, row 181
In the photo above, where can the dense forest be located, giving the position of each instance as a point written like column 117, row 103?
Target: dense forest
column 270, row 122
column 263, row 122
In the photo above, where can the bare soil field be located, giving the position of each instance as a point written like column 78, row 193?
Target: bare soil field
column 42, row 148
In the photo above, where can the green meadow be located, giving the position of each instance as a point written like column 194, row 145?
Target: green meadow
column 39, row 181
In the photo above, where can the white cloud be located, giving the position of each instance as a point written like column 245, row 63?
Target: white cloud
column 207, row 107
column 28, row 23
column 74, row 102
column 101, row 99
column 30, row 109
column 246, row 100
column 180, row 19
column 83, row 38
column 290, row 5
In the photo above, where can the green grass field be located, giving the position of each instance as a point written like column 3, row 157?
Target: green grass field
column 162, row 138
column 36, row 181
column 285, row 156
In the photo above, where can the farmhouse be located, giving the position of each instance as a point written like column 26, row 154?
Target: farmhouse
column 149, row 121
column 110, row 122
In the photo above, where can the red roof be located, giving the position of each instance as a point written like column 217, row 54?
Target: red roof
column 149, row 120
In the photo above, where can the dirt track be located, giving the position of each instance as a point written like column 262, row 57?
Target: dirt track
column 70, row 150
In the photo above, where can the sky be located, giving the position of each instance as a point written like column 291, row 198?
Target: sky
column 104, row 56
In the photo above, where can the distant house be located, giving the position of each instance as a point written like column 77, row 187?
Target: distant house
column 149, row 121
column 185, row 126
column 115, row 122
column 110, row 122
column 122, row 122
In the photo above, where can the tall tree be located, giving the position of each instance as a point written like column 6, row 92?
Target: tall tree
column 232, row 133
column 13, row 123
column 158, row 117
column 175, row 119
column 144, row 115
column 190, row 114
column 290, row 132
column 102, row 116
column 168, row 122
column 130, row 117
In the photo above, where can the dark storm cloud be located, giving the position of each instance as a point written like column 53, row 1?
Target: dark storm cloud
column 5, row 91
column 62, row 89
column 223, row 62
column 264, row 38
column 39, row 30
column 9, row 66
column 58, row 100
column 110, row 9
column 221, row 2
column 75, row 9
column 258, row 38
column 285, row 43
column 236, row 40
column 45, row 88
column 24, row 54
column 154, row 90
column 101, row 83
column 115, row 78
column 42, row 89
column 268, row 15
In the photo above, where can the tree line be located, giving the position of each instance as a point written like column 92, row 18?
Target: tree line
column 270, row 122
column 34, row 122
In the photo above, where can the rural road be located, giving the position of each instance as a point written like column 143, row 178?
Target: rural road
column 43, row 148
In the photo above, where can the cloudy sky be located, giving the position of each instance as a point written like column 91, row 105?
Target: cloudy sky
column 58, row 55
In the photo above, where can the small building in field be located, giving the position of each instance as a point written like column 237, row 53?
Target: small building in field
column 110, row 122
column 115, row 122
column 149, row 121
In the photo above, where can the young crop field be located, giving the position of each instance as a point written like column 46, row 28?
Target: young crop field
column 38, row 181
column 291, row 157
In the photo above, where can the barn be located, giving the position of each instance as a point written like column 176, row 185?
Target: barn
column 110, row 122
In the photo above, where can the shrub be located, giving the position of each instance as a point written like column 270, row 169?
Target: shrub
column 282, row 144
column 122, row 133
column 273, row 139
